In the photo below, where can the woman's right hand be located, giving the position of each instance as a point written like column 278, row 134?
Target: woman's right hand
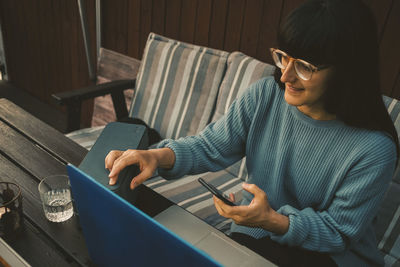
column 147, row 160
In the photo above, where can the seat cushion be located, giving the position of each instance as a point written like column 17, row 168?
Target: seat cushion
column 188, row 193
column 86, row 137
column 387, row 226
column 242, row 71
column 177, row 86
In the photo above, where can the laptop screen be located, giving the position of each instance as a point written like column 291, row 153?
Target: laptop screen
column 119, row 234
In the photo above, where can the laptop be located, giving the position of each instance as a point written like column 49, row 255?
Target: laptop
column 119, row 234
column 141, row 227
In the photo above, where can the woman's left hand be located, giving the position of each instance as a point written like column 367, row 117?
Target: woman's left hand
column 257, row 214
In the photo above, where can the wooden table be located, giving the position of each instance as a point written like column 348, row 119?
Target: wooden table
column 29, row 151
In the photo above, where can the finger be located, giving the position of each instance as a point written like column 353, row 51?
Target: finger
column 232, row 197
column 218, row 207
column 226, row 209
column 141, row 177
column 253, row 189
column 110, row 158
column 119, row 164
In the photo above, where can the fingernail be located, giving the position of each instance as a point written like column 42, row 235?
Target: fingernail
column 111, row 182
column 133, row 185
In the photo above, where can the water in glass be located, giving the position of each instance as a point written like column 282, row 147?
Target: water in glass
column 57, row 205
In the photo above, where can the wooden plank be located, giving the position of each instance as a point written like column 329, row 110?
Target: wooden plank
column 145, row 23
column 269, row 30
column 390, row 52
column 65, row 237
column 234, row 25
column 108, row 24
column 33, row 159
column 38, row 250
column 188, row 21
column 203, row 22
column 158, row 17
column 134, row 28
column 116, row 66
column 218, row 23
column 172, row 18
column 251, row 27
column 381, row 11
column 44, row 135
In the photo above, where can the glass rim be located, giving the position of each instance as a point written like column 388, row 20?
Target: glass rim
column 18, row 195
column 42, row 182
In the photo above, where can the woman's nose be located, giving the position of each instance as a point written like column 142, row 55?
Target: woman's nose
column 289, row 73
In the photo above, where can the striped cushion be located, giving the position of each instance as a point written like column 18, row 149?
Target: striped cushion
column 86, row 137
column 388, row 220
column 388, row 226
column 242, row 71
column 393, row 107
column 188, row 193
column 177, row 86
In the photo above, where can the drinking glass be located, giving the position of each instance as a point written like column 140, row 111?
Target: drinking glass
column 56, row 198
column 11, row 216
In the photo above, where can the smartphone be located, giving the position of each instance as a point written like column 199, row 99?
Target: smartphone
column 216, row 192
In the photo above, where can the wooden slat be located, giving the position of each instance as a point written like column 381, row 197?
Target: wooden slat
column 390, row 52
column 67, row 235
column 381, row 11
column 218, row 22
column 188, row 21
column 38, row 250
column 251, row 25
column 158, row 16
column 203, row 22
column 41, row 133
column 269, row 29
column 116, row 66
column 172, row 18
column 234, row 25
column 134, row 28
column 145, row 22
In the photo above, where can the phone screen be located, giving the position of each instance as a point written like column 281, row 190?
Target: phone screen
column 219, row 194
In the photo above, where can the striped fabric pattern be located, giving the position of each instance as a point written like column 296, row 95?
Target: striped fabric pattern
column 177, row 86
column 388, row 220
column 86, row 137
column 242, row 71
column 191, row 195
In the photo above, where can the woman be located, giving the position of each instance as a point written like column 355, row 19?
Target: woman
column 320, row 146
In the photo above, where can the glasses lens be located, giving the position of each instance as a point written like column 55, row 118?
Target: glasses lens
column 279, row 59
column 303, row 70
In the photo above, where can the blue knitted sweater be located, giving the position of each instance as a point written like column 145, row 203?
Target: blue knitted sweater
column 327, row 177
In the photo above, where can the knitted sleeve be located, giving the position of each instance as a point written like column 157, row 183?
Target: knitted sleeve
column 219, row 145
column 353, row 207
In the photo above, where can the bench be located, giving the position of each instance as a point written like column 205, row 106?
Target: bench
column 180, row 88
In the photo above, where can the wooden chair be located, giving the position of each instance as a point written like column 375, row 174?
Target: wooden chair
column 115, row 74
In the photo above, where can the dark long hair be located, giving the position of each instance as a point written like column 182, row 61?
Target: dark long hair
column 343, row 34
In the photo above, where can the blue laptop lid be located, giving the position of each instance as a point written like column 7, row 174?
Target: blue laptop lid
column 119, row 234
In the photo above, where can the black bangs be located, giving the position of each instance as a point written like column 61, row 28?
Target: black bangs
column 311, row 33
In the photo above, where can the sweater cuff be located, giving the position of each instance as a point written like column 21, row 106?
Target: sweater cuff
column 183, row 160
column 296, row 233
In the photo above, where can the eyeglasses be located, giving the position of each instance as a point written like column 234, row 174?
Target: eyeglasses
column 304, row 70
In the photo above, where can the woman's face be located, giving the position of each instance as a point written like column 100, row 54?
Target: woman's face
column 307, row 95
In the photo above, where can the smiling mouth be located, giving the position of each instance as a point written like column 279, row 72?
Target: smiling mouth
column 293, row 89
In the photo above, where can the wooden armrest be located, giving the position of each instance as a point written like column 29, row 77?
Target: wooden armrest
column 65, row 98
column 73, row 99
